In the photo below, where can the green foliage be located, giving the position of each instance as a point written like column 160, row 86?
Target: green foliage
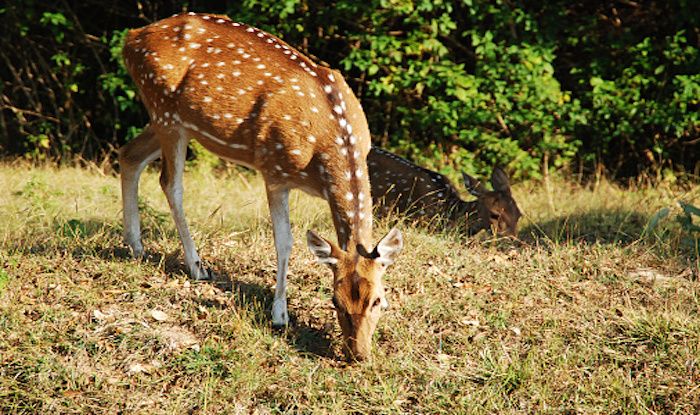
column 690, row 222
column 454, row 85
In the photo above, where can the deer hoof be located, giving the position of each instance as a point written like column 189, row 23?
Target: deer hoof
column 136, row 250
column 199, row 272
column 280, row 317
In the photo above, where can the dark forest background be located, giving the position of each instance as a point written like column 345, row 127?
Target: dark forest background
column 454, row 85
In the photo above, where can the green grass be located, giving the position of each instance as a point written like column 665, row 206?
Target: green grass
column 592, row 311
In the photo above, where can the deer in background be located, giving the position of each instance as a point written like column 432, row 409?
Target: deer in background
column 250, row 98
column 401, row 186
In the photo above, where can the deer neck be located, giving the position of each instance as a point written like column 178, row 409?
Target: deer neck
column 349, row 199
column 460, row 210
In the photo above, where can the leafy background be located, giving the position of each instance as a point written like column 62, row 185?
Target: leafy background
column 581, row 86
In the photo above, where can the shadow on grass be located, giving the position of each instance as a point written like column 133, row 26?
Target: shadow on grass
column 258, row 298
column 617, row 226
column 86, row 238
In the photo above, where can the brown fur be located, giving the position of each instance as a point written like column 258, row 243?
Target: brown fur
column 250, row 98
column 404, row 187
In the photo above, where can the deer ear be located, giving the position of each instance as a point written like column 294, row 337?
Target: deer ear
column 499, row 181
column 389, row 247
column 321, row 248
column 473, row 186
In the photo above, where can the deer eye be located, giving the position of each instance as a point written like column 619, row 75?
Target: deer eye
column 495, row 216
column 376, row 302
column 335, row 303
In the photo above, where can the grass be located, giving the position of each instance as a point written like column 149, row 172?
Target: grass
column 592, row 311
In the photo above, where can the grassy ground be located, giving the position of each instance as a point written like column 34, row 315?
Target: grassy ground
column 587, row 313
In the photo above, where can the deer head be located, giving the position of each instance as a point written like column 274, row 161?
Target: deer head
column 495, row 210
column 358, row 291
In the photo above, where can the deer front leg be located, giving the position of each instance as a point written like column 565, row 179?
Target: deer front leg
column 278, row 200
column 133, row 158
column 174, row 152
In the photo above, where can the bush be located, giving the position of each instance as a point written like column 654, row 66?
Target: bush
column 455, row 85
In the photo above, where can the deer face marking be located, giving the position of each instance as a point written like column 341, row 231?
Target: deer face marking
column 496, row 210
column 358, row 290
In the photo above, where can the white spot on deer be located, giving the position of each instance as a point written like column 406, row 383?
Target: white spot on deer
column 287, row 117
column 344, row 151
column 348, row 175
column 207, row 99
column 358, row 173
column 261, row 66
column 349, row 128
column 220, row 63
column 314, row 109
column 267, row 74
column 220, row 20
column 296, row 152
column 239, row 121
column 201, row 30
column 195, row 45
column 236, row 62
column 311, row 139
column 219, row 88
column 349, row 196
column 339, row 141
column 188, row 36
column 181, row 49
column 250, row 29
column 241, row 91
column 176, row 29
column 331, row 77
column 220, row 76
column 296, row 87
column 227, row 115
column 204, row 82
column 236, row 73
column 168, row 67
column 328, row 89
column 337, row 109
column 343, row 122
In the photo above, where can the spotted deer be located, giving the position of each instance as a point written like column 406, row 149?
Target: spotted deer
column 249, row 97
column 401, row 186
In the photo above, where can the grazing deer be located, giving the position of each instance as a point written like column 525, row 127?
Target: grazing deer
column 250, row 98
column 399, row 185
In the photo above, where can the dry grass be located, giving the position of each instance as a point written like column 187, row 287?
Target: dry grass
column 583, row 315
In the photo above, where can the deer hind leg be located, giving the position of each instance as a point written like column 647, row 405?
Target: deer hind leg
column 278, row 201
column 133, row 158
column 174, row 151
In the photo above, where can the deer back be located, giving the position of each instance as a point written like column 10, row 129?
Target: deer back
column 250, row 98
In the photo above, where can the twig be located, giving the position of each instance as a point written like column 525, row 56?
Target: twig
column 34, row 113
